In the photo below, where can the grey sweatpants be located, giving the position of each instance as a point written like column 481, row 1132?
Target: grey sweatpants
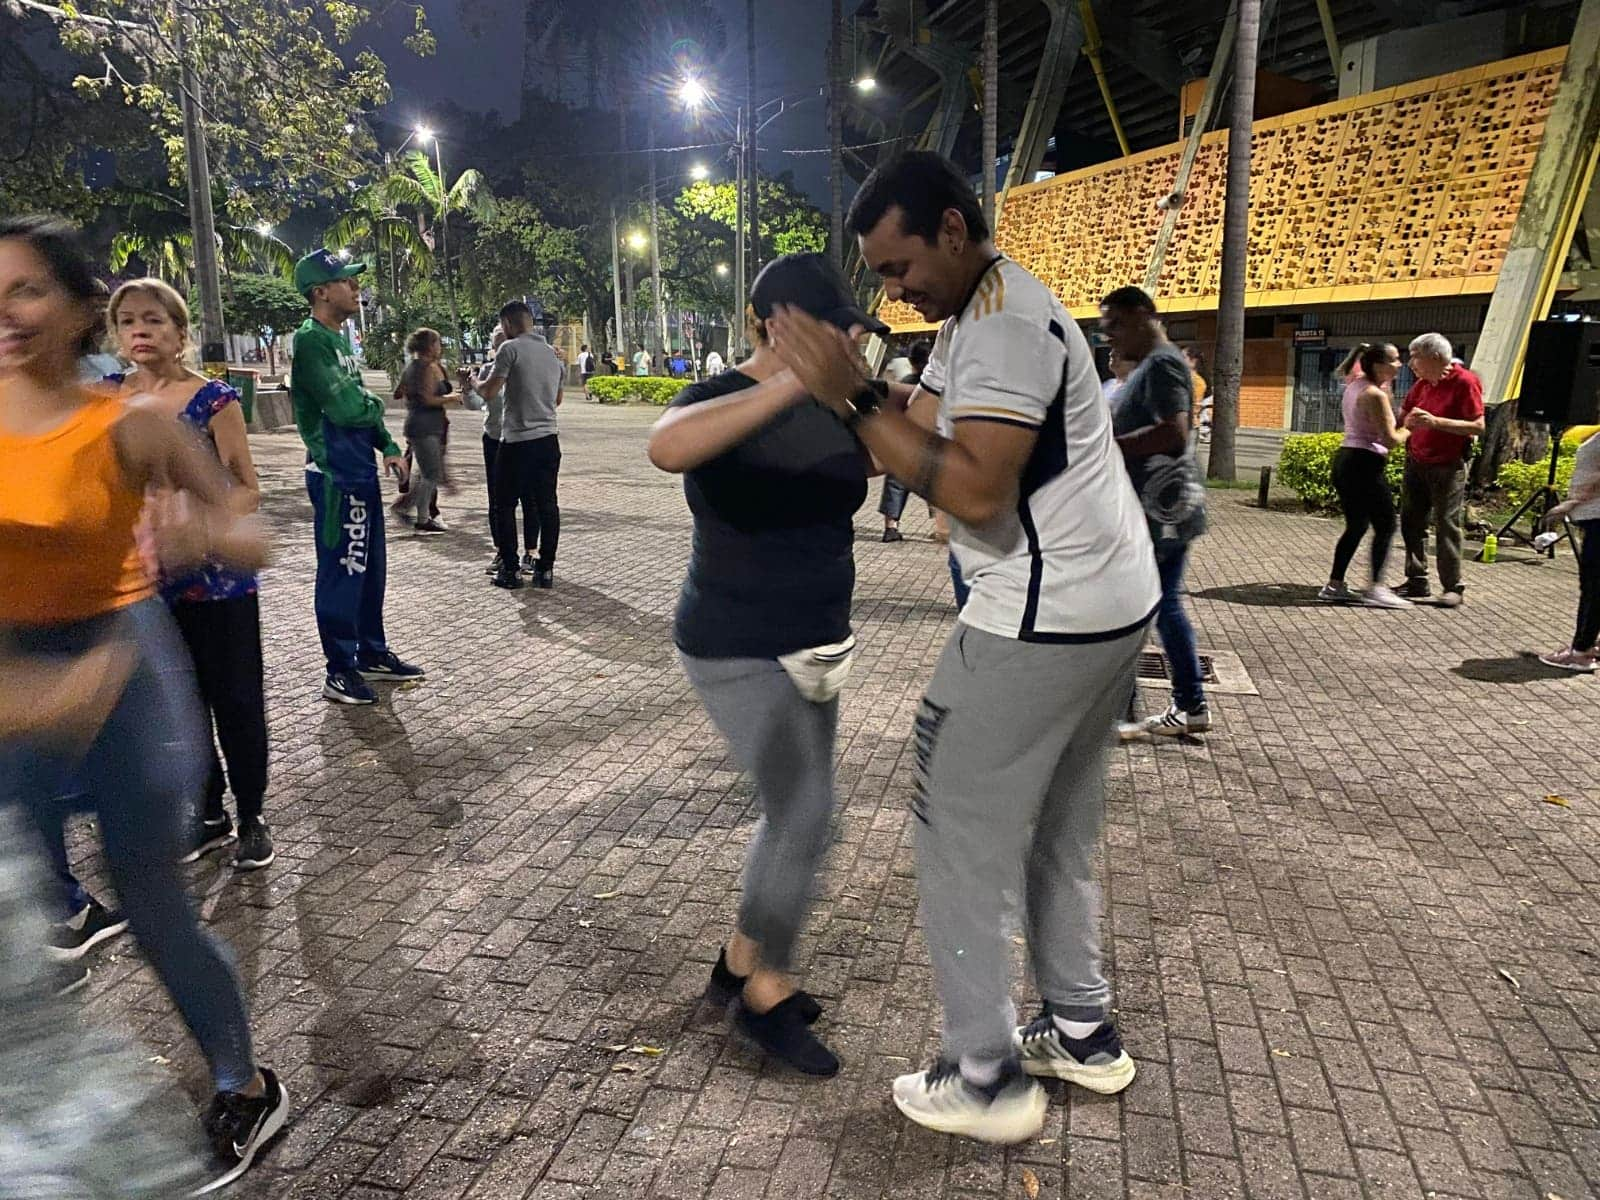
column 784, row 743
column 1011, row 740
column 428, row 454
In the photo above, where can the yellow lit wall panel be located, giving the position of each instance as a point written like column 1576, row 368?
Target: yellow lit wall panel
column 1406, row 193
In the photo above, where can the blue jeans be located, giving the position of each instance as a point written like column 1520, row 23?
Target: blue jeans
column 352, row 571
column 142, row 777
column 1177, row 635
column 960, row 584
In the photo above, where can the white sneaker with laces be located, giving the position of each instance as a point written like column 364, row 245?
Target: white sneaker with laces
column 1336, row 593
column 1379, row 596
column 1011, row 1110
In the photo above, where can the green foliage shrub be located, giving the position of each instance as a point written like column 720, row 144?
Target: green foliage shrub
column 627, row 389
column 1519, row 480
column 1306, row 465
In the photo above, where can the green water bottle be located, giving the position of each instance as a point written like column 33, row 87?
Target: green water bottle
column 1491, row 547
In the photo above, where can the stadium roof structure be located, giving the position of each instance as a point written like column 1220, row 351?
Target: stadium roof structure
column 924, row 56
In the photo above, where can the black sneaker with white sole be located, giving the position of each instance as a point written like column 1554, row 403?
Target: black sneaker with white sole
column 1011, row 1109
column 388, row 667
column 255, row 845
column 209, row 835
column 238, row 1127
column 348, row 687
column 86, row 929
column 1097, row 1062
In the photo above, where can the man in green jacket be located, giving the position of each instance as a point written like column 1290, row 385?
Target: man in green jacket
column 341, row 424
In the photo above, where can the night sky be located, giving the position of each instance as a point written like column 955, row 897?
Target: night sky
column 484, row 71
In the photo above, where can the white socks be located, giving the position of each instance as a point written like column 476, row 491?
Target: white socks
column 1075, row 1029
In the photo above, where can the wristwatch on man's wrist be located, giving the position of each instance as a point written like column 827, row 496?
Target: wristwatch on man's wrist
column 868, row 400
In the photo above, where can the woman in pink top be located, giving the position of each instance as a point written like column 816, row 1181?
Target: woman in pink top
column 1358, row 476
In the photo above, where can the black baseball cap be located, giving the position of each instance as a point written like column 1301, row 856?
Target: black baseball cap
column 810, row 283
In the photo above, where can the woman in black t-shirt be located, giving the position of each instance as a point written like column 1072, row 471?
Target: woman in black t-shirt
column 763, row 626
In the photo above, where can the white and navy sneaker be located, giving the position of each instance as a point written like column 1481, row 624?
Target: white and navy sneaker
column 348, row 687
column 238, row 1127
column 1009, row 1110
column 1175, row 722
column 389, row 668
column 1097, row 1062
column 1337, row 593
column 83, row 931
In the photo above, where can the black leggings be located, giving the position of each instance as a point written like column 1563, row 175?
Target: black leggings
column 1368, row 504
column 1583, row 639
column 224, row 640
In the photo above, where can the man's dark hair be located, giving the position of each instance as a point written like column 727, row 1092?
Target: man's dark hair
column 919, row 352
column 922, row 185
column 516, row 310
column 1130, row 299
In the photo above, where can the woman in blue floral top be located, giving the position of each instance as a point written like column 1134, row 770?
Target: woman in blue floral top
column 216, row 608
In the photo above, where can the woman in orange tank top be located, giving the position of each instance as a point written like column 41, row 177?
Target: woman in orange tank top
column 97, row 703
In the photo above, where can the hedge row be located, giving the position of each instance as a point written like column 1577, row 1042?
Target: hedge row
column 1306, row 465
column 628, row 389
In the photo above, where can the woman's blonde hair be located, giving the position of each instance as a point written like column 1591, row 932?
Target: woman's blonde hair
column 754, row 327
column 166, row 295
column 421, row 339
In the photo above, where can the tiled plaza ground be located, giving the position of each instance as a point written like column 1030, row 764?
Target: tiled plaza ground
column 1354, row 950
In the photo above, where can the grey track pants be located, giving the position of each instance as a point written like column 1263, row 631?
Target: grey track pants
column 784, row 742
column 1011, row 743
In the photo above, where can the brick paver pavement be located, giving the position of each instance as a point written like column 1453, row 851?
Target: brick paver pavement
column 1354, row 951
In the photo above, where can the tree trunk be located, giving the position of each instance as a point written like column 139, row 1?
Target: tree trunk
column 991, row 104
column 1235, row 247
column 836, row 133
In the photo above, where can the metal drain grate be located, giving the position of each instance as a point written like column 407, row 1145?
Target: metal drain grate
column 1220, row 671
column 1153, row 665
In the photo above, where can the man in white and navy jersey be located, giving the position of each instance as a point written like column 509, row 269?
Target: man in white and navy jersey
column 1010, row 736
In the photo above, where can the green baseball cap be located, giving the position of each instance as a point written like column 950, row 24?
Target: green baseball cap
column 323, row 266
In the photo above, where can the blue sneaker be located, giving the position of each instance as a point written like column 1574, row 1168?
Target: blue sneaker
column 387, row 668
column 347, row 687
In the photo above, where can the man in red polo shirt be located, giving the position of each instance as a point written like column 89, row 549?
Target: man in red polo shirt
column 1444, row 411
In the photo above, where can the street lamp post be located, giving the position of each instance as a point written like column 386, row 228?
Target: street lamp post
column 616, row 284
column 736, row 330
column 424, row 134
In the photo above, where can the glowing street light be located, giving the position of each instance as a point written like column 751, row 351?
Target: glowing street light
column 637, row 240
column 423, row 133
column 264, row 229
column 700, row 172
column 722, row 270
column 693, row 93
column 866, row 84
column 344, row 253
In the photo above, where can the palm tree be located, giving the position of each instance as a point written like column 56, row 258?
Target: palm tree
column 372, row 221
column 155, row 231
column 419, row 187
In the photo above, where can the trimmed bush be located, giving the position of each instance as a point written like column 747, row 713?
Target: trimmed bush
column 1519, row 480
column 631, row 389
column 1306, row 465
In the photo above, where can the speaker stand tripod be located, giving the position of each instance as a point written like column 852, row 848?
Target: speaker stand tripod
column 1537, row 507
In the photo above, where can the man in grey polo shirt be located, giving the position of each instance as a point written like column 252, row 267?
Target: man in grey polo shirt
column 529, row 374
